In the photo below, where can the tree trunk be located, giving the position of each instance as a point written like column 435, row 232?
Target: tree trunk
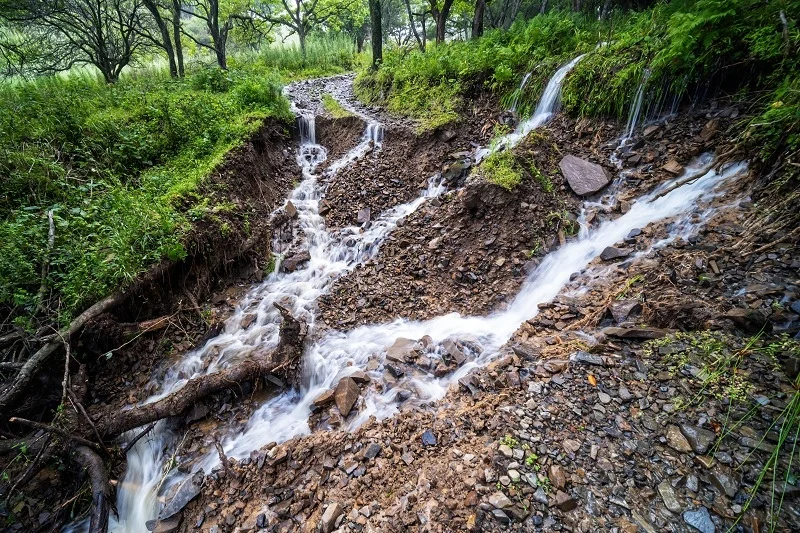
column 543, row 7
column 414, row 26
column 477, row 19
column 605, row 11
column 176, row 31
column 440, row 16
column 301, row 35
column 166, row 40
column 377, row 32
column 101, row 489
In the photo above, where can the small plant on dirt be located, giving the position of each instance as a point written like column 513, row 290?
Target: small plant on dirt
column 334, row 108
column 545, row 483
column 501, row 168
column 509, row 441
column 541, row 178
column 628, row 284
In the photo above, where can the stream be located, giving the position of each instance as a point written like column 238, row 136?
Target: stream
column 336, row 354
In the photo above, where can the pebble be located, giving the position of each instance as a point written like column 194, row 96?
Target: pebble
column 499, row 500
column 700, row 520
column 428, row 438
column 668, row 495
column 676, row 440
column 604, row 398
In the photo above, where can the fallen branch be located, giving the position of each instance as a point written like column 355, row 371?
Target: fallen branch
column 137, row 438
column 35, row 363
column 101, row 488
column 52, row 429
column 32, row 469
column 293, row 334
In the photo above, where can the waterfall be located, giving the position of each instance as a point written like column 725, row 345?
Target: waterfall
column 525, row 79
column 549, row 104
column 636, row 108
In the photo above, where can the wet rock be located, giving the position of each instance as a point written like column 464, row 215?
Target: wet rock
column 290, row 209
column 499, row 500
column 699, row 439
column 668, row 495
column 676, row 440
column 324, row 207
column 329, row 517
column 292, row 263
column 583, row 176
column 325, row 398
column 181, row 494
column 428, row 438
column 169, row 525
column 610, row 253
column 454, row 351
column 345, row 395
column 622, row 309
column 700, row 520
column 402, row 350
column 364, row 215
column 360, row 377
column 586, row 358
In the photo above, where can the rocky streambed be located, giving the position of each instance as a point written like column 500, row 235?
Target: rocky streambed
column 610, row 368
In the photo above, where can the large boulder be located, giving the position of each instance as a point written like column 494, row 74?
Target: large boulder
column 583, row 176
column 345, row 395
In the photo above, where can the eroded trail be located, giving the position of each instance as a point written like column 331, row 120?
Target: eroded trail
column 321, row 256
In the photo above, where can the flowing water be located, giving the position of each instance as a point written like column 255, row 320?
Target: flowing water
column 636, row 108
column 337, row 354
column 525, row 79
column 548, row 106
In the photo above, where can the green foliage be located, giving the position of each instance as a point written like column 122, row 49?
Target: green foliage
column 333, row 107
column 119, row 166
column 542, row 179
column 325, row 55
column 501, row 168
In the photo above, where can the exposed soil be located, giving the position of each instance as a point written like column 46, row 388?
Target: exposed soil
column 581, row 424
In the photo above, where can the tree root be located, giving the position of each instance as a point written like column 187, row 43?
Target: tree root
column 101, row 488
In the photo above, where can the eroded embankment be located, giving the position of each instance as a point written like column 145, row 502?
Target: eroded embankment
column 574, row 425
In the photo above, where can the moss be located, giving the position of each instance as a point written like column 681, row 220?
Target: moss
column 334, row 108
column 501, row 168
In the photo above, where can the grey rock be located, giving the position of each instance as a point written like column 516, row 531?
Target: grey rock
column 622, row 309
column 700, row 520
column 610, row 253
column 290, row 209
column 372, row 451
column 329, row 517
column 364, row 215
column 699, row 439
column 583, row 176
column 725, row 480
column 499, row 500
column 428, row 438
column 586, row 358
column 181, row 494
column 668, row 495
column 401, row 350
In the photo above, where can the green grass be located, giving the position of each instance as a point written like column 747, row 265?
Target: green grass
column 122, row 168
column 334, row 108
column 687, row 46
column 501, row 168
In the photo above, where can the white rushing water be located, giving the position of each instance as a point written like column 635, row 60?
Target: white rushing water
column 549, row 105
column 341, row 353
column 636, row 108
column 525, row 79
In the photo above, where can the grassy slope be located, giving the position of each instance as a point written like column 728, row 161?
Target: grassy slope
column 120, row 168
column 683, row 44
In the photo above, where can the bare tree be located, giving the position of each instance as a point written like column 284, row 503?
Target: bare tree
column 377, row 32
column 420, row 41
column 103, row 33
column 165, row 37
column 299, row 16
column 477, row 19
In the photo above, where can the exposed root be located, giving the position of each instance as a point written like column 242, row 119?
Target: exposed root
column 101, row 488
